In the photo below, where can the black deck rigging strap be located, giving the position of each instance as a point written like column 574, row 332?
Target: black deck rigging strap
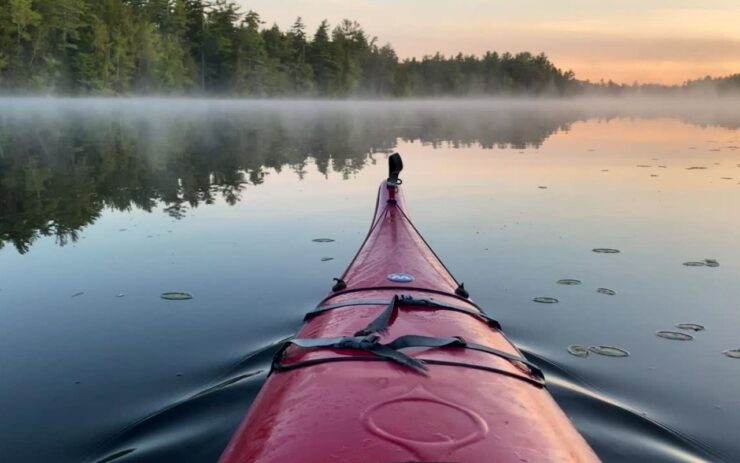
column 392, row 350
column 406, row 301
column 366, row 339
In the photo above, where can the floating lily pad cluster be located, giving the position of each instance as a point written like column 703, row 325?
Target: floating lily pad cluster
column 606, row 351
column 606, row 250
column 324, row 240
column 703, row 263
column 176, row 296
column 674, row 335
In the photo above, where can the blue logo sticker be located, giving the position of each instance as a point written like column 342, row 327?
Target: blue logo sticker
column 401, row 278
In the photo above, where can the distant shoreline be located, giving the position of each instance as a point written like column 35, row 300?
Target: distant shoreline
column 196, row 48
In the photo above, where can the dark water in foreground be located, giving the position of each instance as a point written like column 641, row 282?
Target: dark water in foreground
column 105, row 205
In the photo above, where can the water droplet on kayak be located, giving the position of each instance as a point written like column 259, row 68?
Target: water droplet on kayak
column 77, row 294
column 674, row 335
column 542, row 187
column 696, row 168
column 326, row 259
column 545, row 300
column 323, row 240
column 690, row 326
column 727, row 178
column 606, row 250
column 694, row 264
column 578, row 351
column 607, row 291
column 176, row 296
column 568, row 282
column 732, row 353
column 178, row 374
column 643, row 165
column 120, row 295
column 121, row 229
column 609, row 351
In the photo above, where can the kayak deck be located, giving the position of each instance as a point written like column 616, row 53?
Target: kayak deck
column 397, row 364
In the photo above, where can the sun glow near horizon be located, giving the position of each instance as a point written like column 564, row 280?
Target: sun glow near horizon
column 657, row 41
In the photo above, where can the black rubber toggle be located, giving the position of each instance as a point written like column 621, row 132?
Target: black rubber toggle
column 395, row 166
column 339, row 285
column 462, row 292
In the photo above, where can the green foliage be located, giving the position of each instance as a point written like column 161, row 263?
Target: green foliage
column 209, row 46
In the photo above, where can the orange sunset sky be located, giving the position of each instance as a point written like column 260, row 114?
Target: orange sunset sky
column 629, row 40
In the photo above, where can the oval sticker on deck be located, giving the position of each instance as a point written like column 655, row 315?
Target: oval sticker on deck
column 400, row 277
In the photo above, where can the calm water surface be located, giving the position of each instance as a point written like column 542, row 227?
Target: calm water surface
column 106, row 204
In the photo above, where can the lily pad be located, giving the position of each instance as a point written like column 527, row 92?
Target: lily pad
column 690, row 326
column 674, row 335
column 546, row 300
column 732, row 353
column 176, row 296
column 323, row 240
column 578, row 351
column 569, row 282
column 606, row 250
column 609, row 351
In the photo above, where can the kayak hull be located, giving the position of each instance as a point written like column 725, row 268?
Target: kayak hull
column 325, row 405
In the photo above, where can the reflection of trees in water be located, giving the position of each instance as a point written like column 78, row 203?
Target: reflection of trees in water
column 60, row 169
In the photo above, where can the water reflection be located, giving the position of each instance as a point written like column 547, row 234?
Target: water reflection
column 62, row 162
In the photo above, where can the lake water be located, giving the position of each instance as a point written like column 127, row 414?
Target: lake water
column 107, row 204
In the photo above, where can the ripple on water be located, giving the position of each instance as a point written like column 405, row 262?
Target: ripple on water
column 176, row 296
column 606, row 250
column 690, row 326
column 732, row 353
column 578, row 351
column 569, row 282
column 674, row 335
column 607, row 291
column 609, row 351
column 546, row 300
column 322, row 240
column 326, row 259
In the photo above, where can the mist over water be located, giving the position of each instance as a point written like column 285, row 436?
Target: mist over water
column 107, row 204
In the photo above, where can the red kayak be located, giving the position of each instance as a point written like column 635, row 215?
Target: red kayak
column 397, row 364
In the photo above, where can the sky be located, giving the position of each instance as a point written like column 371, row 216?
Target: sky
column 628, row 40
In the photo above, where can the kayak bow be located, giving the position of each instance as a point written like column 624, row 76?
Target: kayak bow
column 397, row 364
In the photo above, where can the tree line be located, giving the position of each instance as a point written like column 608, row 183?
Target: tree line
column 211, row 47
